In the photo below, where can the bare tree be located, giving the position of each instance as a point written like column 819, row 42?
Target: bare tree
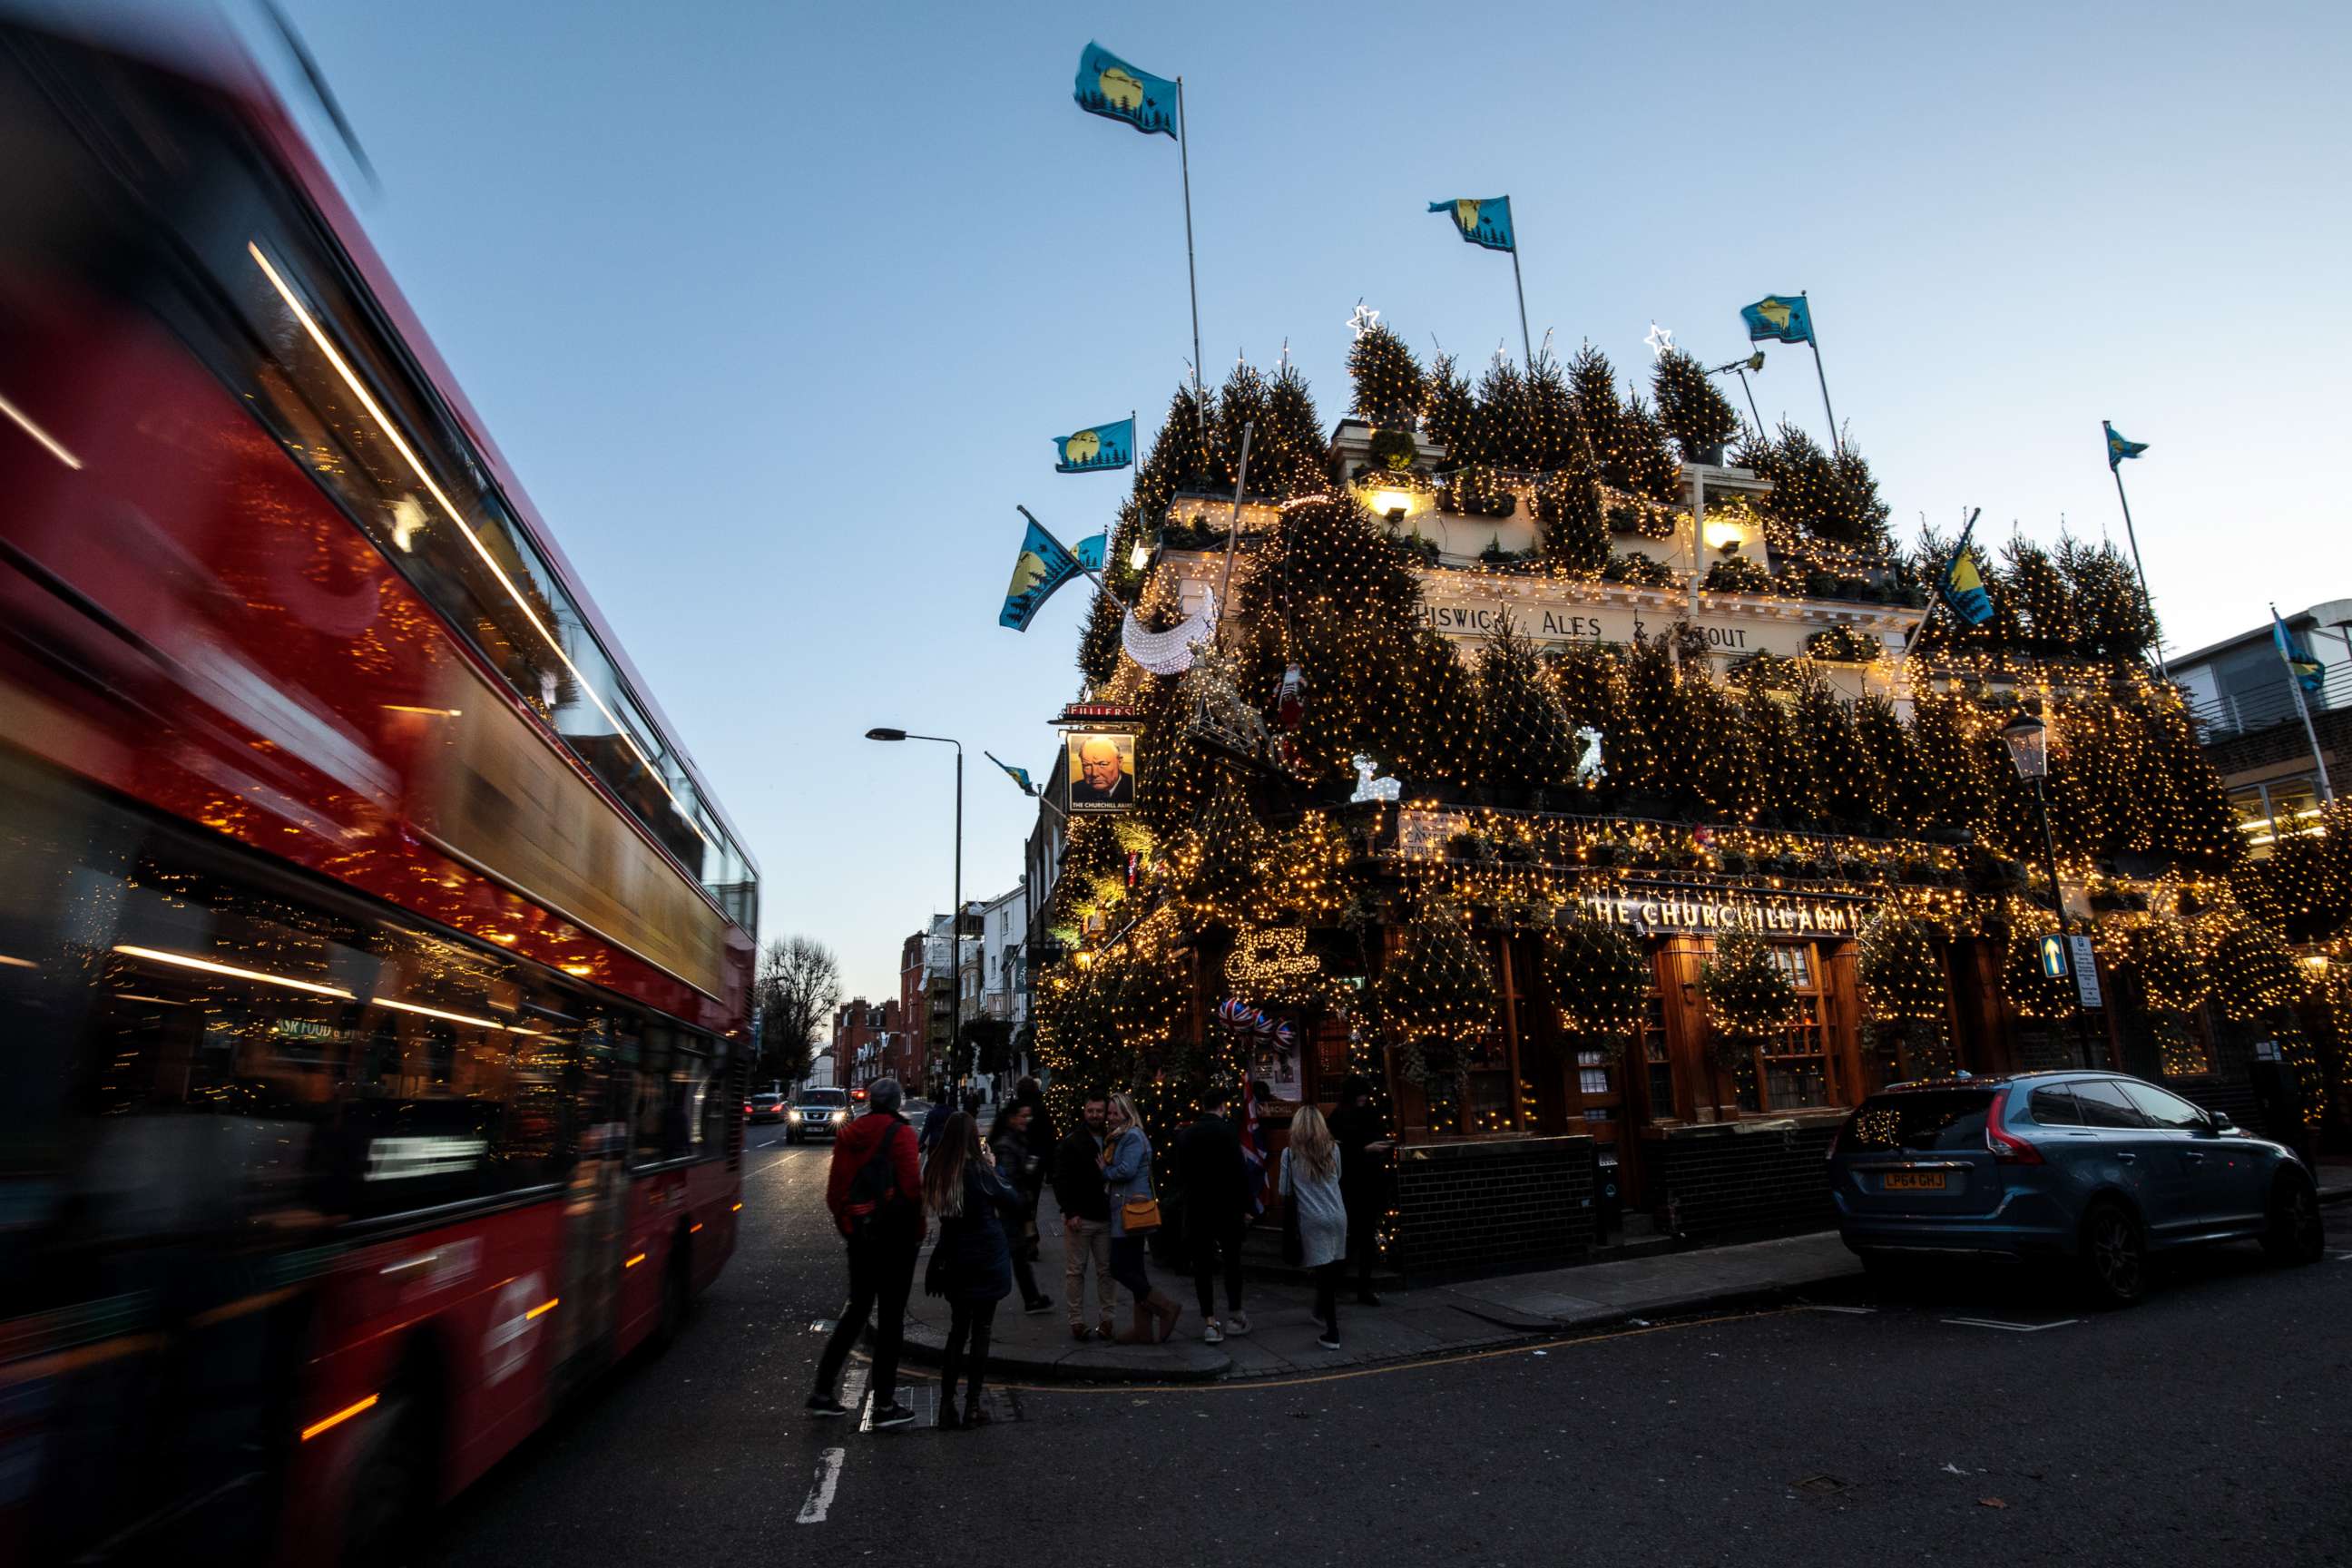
column 797, row 988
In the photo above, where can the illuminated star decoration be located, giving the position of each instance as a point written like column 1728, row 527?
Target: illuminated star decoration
column 1500, row 356
column 1661, row 341
column 1362, row 321
column 1285, row 363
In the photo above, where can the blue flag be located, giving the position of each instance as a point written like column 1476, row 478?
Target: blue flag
column 2118, row 449
column 1110, row 445
column 2309, row 673
column 1962, row 585
column 1781, row 316
column 1111, row 87
column 1089, row 552
column 1042, row 567
column 1485, row 223
column 1018, row 776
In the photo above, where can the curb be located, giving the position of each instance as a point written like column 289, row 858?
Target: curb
column 1088, row 1362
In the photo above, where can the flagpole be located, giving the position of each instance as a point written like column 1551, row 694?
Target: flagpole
column 1065, row 550
column 2147, row 601
column 1751, row 396
column 2303, row 709
column 1526, row 343
column 1813, row 342
column 1192, row 275
column 1233, row 533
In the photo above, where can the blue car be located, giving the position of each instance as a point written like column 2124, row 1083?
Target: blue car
column 2093, row 1169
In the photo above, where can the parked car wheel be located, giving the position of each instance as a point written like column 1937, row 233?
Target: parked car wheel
column 2294, row 1235
column 2114, row 1258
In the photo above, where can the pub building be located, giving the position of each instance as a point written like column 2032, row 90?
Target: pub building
column 1529, row 1144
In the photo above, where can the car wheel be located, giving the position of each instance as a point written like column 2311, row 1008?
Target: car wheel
column 2114, row 1260
column 2294, row 1235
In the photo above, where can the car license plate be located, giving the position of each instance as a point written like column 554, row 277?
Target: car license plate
column 1913, row 1182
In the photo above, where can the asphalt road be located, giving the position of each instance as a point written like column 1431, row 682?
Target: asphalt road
column 2214, row 1423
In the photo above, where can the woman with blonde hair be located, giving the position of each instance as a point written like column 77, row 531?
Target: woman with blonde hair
column 1310, row 1186
column 1134, row 1214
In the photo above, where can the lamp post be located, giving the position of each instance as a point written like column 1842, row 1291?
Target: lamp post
column 2029, row 747
column 955, row 917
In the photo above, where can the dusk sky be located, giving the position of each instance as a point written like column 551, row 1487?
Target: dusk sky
column 774, row 307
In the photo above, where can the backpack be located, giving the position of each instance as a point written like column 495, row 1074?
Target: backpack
column 873, row 1184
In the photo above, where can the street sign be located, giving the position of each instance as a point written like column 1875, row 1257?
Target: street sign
column 2054, row 958
column 2086, row 970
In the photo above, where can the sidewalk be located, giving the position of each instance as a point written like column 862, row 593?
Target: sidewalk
column 1408, row 1324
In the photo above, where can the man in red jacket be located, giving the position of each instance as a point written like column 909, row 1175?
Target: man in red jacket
column 874, row 1190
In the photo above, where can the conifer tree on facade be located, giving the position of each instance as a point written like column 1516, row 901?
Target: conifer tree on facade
column 1694, row 410
column 1654, row 704
column 2041, row 600
column 1450, row 417
column 1906, row 793
column 1652, row 467
column 1555, row 439
column 1436, row 741
column 1390, row 384
column 1501, row 429
column 1725, row 753
column 1099, row 646
column 1298, row 459
column 1950, row 754
column 1781, row 787
column 2111, row 619
column 1524, row 738
column 1245, row 401
column 1826, row 497
column 1841, row 780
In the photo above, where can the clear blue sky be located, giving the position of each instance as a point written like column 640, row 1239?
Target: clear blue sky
column 774, row 306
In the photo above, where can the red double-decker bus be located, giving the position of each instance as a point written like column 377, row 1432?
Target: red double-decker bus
column 374, row 963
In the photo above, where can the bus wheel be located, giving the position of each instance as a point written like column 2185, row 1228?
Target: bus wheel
column 676, row 1298
column 391, row 1486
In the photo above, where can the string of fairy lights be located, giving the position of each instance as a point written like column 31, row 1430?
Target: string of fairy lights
column 1764, row 777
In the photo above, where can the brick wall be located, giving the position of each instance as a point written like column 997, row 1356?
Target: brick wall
column 1742, row 1178
column 1465, row 1208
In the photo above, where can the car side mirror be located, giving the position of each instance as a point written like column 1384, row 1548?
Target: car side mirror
column 2220, row 1122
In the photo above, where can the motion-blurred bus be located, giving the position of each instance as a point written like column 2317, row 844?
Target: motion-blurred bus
column 375, row 964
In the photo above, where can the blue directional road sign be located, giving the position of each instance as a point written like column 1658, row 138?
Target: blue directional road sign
column 2054, row 957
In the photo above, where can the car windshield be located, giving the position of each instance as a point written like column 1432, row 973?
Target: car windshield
column 1928, row 1118
column 766, row 1099
column 830, row 1098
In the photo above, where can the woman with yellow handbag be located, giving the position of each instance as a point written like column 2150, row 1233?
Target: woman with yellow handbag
column 1134, row 1214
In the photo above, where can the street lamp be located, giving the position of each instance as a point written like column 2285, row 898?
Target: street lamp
column 955, row 917
column 2027, row 739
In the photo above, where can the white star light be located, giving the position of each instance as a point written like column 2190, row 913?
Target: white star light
column 1500, row 356
column 1661, row 341
column 1362, row 321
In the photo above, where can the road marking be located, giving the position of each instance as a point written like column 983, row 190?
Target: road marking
column 1849, row 1311
column 2010, row 1328
column 820, row 1498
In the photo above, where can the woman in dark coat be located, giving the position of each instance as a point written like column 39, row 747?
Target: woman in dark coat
column 1019, row 1156
column 971, row 1266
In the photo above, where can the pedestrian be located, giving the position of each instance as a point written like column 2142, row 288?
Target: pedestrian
column 1134, row 1214
column 1043, row 1134
column 1310, row 1184
column 1022, row 1163
column 936, row 1119
column 874, row 1189
column 971, row 1266
column 1085, row 1217
column 1216, row 1211
column 1363, row 1145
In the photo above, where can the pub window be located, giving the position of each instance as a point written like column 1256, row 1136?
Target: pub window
column 1794, row 1072
column 1650, row 1050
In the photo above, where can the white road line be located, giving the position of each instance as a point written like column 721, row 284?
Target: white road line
column 2011, row 1328
column 1849, row 1311
column 820, row 1498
